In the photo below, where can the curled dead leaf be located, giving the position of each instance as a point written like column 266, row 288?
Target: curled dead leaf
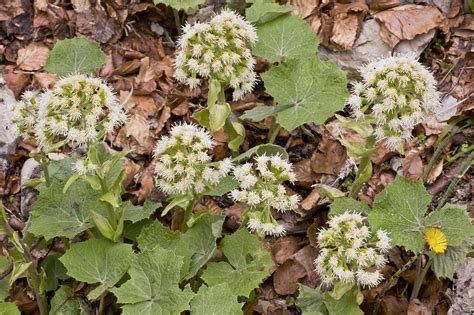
column 32, row 57
column 407, row 21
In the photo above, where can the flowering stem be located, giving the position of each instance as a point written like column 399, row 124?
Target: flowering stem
column 365, row 169
column 419, row 280
column 44, row 165
column 274, row 131
column 187, row 214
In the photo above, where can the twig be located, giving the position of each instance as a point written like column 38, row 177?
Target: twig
column 464, row 167
column 389, row 281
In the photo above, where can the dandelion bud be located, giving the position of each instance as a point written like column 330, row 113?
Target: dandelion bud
column 349, row 250
column 395, row 89
column 184, row 164
column 219, row 49
column 261, row 189
column 80, row 110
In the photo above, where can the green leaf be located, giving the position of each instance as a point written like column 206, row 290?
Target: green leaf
column 225, row 185
column 399, row 210
column 343, row 204
column 346, row 305
column 309, row 300
column 137, row 213
column 268, row 149
column 259, row 113
column 196, row 246
column 277, row 41
column 218, row 116
column 329, row 191
column 65, row 302
column 263, row 11
column 185, row 5
column 444, row 265
column 4, row 283
column 98, row 261
column 236, row 133
column 215, row 300
column 57, row 214
column 75, row 55
column 153, row 288
column 454, row 223
column 248, row 264
column 313, row 90
column 54, row 270
column 8, row 309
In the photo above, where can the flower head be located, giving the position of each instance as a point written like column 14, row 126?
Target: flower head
column 79, row 110
column 436, row 240
column 184, row 164
column 350, row 253
column 23, row 116
column 261, row 188
column 219, row 49
column 400, row 93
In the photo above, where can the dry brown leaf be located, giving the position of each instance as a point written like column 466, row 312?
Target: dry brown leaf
column 304, row 174
column 435, row 172
column 16, row 81
column 44, row 80
column 286, row 277
column 284, row 248
column 407, row 21
column 331, row 159
column 416, row 307
column 347, row 24
column 165, row 115
column 127, row 67
column 394, row 305
column 305, row 8
column 138, row 105
column 182, row 109
column 412, row 164
column 81, row 5
column 131, row 169
column 32, row 57
column 311, row 200
column 9, row 9
column 146, row 182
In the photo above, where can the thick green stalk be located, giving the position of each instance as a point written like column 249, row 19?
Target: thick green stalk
column 365, row 169
column 44, row 165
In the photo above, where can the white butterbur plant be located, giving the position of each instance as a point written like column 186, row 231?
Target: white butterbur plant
column 350, row 253
column 218, row 49
column 184, row 169
column 398, row 93
column 261, row 188
column 80, row 110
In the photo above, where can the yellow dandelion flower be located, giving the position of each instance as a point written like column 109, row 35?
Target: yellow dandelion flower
column 436, row 240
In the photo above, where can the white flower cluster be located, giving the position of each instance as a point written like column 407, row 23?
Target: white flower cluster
column 184, row 164
column 349, row 250
column 23, row 116
column 400, row 92
column 79, row 110
column 84, row 167
column 261, row 189
column 218, row 50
